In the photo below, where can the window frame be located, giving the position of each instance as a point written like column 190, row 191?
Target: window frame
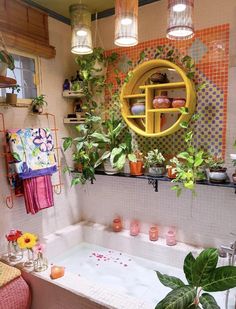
column 37, row 79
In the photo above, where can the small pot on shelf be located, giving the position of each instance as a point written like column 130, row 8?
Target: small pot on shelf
column 158, row 170
column 136, row 168
column 108, row 169
column 11, row 98
column 178, row 102
column 218, row 175
column 161, row 101
column 159, row 78
column 37, row 109
column 170, row 173
column 138, row 107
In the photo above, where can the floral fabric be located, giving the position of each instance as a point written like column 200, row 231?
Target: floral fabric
column 33, row 152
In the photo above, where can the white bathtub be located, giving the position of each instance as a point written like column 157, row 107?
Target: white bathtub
column 107, row 270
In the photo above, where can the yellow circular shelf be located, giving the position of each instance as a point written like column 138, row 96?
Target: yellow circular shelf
column 149, row 124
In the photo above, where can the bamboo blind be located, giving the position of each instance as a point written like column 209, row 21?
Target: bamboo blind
column 25, row 28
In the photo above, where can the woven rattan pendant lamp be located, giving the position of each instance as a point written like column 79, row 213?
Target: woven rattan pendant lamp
column 126, row 22
column 81, row 42
column 180, row 19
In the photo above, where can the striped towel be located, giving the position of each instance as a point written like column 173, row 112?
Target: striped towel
column 38, row 193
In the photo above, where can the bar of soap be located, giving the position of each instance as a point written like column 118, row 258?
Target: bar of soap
column 57, row 272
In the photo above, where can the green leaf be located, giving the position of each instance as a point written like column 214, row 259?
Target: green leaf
column 223, row 278
column 170, row 281
column 188, row 268
column 184, row 124
column 204, row 265
column 184, row 110
column 119, row 164
column 16, row 156
column 105, row 156
column 199, row 159
column 132, row 157
column 208, row 301
column 75, row 181
column 177, row 189
column 183, row 155
column 179, row 298
column 100, row 137
column 67, row 143
column 195, row 117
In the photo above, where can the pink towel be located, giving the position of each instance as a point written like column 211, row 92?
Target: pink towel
column 38, row 193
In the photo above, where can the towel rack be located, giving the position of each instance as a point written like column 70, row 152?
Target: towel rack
column 57, row 187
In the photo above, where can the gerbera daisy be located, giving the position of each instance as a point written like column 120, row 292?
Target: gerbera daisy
column 27, row 241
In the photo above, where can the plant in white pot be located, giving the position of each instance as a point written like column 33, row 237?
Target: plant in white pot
column 217, row 173
column 38, row 103
column 6, row 62
column 11, row 98
column 154, row 161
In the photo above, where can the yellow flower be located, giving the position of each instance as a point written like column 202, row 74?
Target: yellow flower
column 27, row 241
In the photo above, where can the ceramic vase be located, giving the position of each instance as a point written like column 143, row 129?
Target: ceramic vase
column 108, row 169
column 156, row 170
column 178, row 102
column 161, row 102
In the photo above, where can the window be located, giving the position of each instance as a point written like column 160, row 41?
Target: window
column 26, row 74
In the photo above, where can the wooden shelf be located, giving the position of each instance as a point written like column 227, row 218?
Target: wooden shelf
column 134, row 96
column 136, row 116
column 73, row 120
column 72, row 94
column 164, row 110
column 6, row 82
column 178, row 85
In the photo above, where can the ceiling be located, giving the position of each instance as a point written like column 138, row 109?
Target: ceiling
column 59, row 9
column 62, row 6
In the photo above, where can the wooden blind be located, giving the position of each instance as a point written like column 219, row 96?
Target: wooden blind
column 25, row 28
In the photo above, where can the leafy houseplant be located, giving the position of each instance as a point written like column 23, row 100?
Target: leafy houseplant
column 11, row 98
column 233, row 158
column 202, row 275
column 38, row 103
column 217, row 173
column 136, row 163
column 111, row 146
column 6, row 61
column 154, row 161
column 85, row 149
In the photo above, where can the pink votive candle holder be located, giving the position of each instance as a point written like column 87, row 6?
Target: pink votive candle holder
column 153, row 233
column 171, row 238
column 117, row 225
column 134, row 228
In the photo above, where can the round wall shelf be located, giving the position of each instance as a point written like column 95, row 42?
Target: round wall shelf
column 139, row 87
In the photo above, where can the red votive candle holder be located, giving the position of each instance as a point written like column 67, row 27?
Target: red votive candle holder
column 117, row 225
column 153, row 233
column 171, row 238
column 134, row 228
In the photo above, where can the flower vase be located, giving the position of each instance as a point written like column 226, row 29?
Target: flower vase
column 15, row 254
column 29, row 259
column 41, row 263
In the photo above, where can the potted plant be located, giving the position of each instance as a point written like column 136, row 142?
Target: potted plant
column 6, row 62
column 11, row 98
column 233, row 158
column 203, row 277
column 38, row 103
column 217, row 173
column 85, row 149
column 136, row 163
column 154, row 161
column 109, row 142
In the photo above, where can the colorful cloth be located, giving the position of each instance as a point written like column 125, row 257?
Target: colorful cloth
column 8, row 273
column 38, row 193
column 33, row 151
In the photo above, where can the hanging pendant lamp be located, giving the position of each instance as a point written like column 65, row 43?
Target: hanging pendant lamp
column 126, row 22
column 180, row 19
column 81, row 42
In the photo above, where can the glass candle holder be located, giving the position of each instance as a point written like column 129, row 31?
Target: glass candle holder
column 171, row 238
column 134, row 228
column 153, row 233
column 15, row 254
column 117, row 225
column 41, row 263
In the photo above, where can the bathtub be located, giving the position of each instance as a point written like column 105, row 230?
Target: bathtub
column 104, row 269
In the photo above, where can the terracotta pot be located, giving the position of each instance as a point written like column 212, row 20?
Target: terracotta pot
column 170, row 173
column 78, row 167
column 218, row 175
column 11, row 98
column 178, row 102
column 136, row 168
column 161, row 102
column 234, row 177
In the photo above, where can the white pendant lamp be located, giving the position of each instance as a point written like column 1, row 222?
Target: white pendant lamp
column 180, row 19
column 126, row 22
column 81, row 41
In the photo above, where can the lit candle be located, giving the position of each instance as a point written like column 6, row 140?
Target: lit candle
column 153, row 233
column 134, row 228
column 57, row 272
column 117, row 225
column 171, row 238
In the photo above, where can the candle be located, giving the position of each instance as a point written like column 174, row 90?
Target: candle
column 57, row 272
column 171, row 238
column 117, row 225
column 134, row 228
column 153, row 233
